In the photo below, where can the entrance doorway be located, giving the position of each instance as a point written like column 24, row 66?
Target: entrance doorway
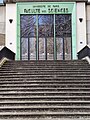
column 46, row 37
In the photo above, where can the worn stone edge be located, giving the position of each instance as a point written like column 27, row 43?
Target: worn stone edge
column 87, row 59
column 2, row 61
column 14, row 1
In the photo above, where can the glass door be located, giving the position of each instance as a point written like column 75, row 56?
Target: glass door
column 28, row 37
column 60, row 50
column 46, row 37
column 63, row 37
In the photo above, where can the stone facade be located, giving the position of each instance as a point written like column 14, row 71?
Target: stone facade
column 88, row 24
column 2, row 25
column 3, row 16
column 10, row 1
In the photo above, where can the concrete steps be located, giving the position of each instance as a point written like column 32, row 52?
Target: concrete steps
column 40, row 90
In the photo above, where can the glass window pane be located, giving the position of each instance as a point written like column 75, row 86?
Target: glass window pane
column 28, row 25
column 24, row 49
column 42, row 49
column 59, row 43
column 46, row 35
column 46, row 27
column 50, row 48
column 32, row 48
column 67, row 48
column 63, row 34
column 28, row 31
column 63, row 25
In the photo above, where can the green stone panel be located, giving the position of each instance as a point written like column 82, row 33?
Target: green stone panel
column 47, row 8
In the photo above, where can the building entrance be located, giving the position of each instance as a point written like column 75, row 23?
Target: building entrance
column 46, row 37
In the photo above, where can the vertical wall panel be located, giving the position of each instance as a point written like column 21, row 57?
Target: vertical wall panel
column 2, row 25
column 11, row 27
column 88, row 25
column 81, row 26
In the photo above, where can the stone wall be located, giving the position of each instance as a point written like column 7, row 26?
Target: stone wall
column 88, row 25
column 2, row 25
column 2, row 39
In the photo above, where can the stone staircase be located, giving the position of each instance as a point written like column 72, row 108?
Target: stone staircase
column 45, row 90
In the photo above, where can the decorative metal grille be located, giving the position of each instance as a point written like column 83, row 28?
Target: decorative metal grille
column 28, row 26
column 63, row 25
column 45, row 25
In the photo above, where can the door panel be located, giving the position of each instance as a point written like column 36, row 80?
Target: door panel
column 46, row 31
column 67, row 48
column 50, row 48
column 59, row 44
column 24, row 48
column 41, row 48
column 32, row 48
column 28, row 37
column 63, row 36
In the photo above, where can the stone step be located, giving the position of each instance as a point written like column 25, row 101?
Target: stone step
column 45, row 118
column 30, row 66
column 45, row 102
column 13, row 94
column 16, row 70
column 42, row 97
column 47, row 98
column 46, row 66
column 38, row 63
column 44, row 82
column 52, row 78
column 41, row 89
column 45, row 89
column 44, row 92
column 45, row 114
column 59, row 69
column 66, row 69
column 44, row 76
column 45, row 109
column 46, row 73
column 85, row 85
column 47, row 61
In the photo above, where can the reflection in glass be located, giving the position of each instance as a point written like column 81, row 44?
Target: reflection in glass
column 62, row 25
column 50, row 48
column 46, row 32
column 67, row 48
column 28, row 25
column 45, row 28
column 41, row 48
column 32, row 48
column 59, row 44
column 63, row 36
column 28, row 33
column 24, row 48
